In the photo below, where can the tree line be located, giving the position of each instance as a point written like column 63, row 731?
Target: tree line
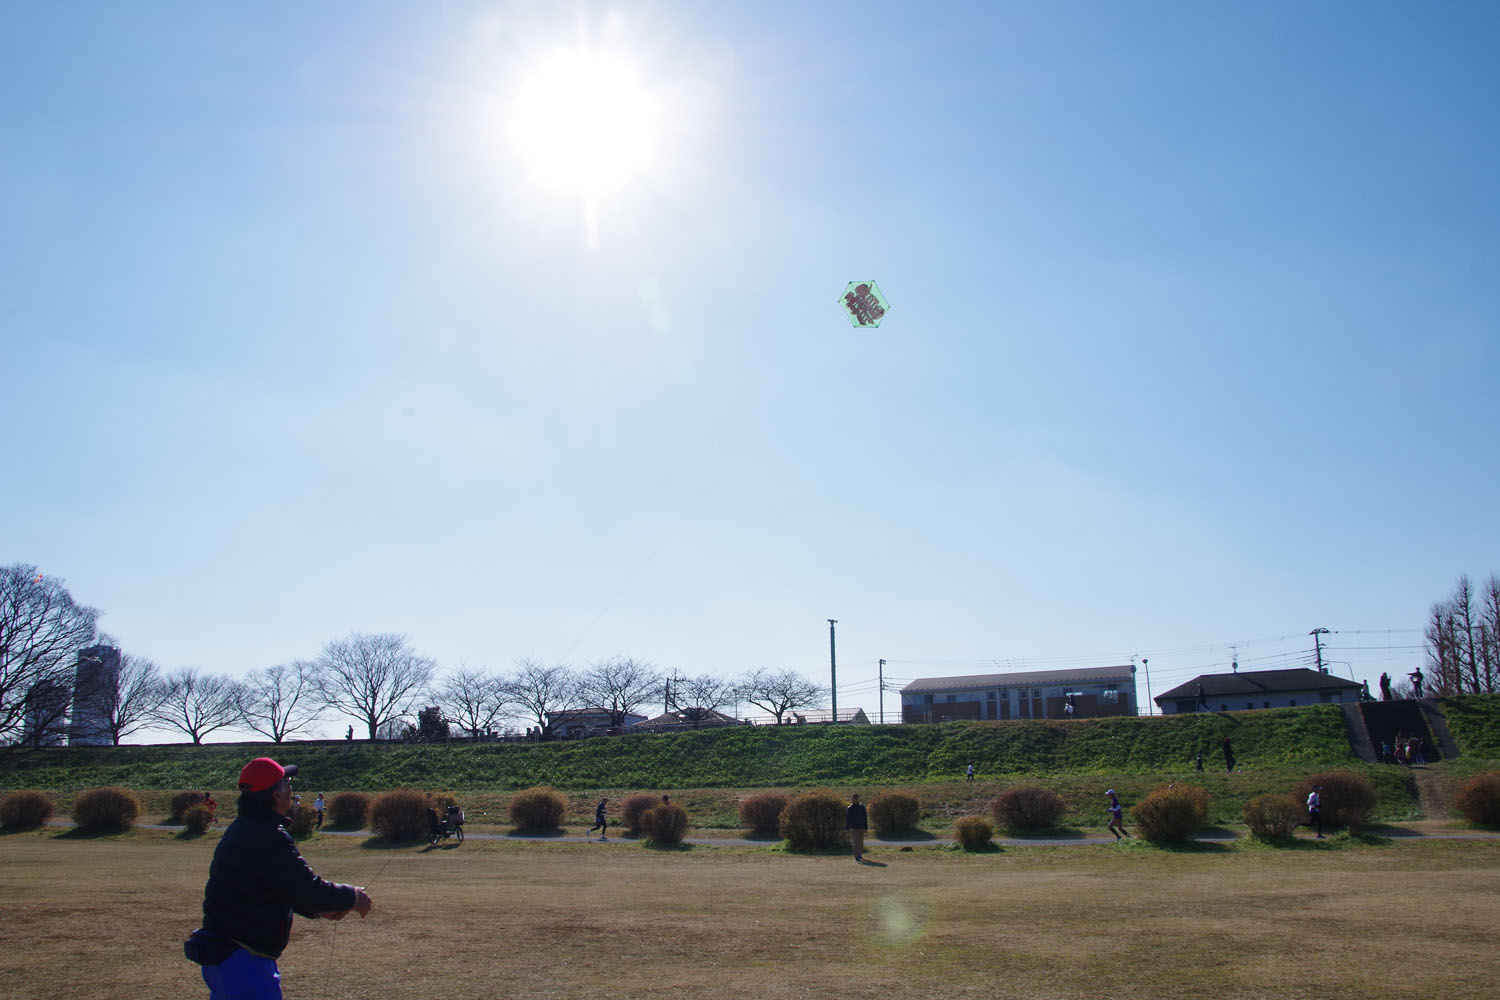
column 48, row 689
column 1463, row 639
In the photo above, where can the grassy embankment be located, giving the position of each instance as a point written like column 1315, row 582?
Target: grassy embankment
column 708, row 771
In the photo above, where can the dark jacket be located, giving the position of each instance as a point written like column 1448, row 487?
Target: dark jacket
column 258, row 877
column 855, row 817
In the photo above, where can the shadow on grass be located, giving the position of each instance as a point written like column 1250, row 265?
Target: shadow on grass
column 92, row 832
column 990, row 848
column 1050, row 833
column 652, row 845
column 761, row 838
column 1333, row 842
column 906, row 837
column 444, row 846
column 11, row 831
column 1173, row 846
column 186, row 834
column 389, row 844
column 538, row 834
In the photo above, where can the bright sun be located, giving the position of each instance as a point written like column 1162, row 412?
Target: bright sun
column 584, row 121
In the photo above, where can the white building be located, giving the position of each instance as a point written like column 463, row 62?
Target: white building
column 1042, row 694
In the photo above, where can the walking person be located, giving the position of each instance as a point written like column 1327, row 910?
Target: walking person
column 256, row 881
column 1228, row 756
column 1416, row 683
column 318, row 805
column 1116, row 815
column 1315, row 809
column 1071, row 707
column 1385, row 687
column 857, row 821
column 601, row 822
column 969, row 774
column 1202, row 705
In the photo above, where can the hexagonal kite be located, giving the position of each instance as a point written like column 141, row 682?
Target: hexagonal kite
column 864, row 303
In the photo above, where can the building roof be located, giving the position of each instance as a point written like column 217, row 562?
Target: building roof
column 684, row 719
column 1256, row 682
column 984, row 682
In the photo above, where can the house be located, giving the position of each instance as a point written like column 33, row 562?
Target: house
column 1241, row 690
column 573, row 723
column 687, row 718
column 1039, row 694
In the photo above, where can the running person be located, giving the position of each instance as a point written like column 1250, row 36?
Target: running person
column 1315, row 809
column 1116, row 816
column 601, row 822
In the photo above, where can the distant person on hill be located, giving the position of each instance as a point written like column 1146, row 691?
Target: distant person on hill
column 1116, row 815
column 969, row 774
column 256, row 881
column 1198, row 760
column 213, row 809
column 1315, row 809
column 857, row 821
column 1228, row 755
column 1416, row 683
column 318, row 804
column 349, row 733
column 1385, row 687
column 601, row 822
column 1202, row 705
column 1071, row 708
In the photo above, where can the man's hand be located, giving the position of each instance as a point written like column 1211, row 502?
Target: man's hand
column 332, row 914
column 362, row 902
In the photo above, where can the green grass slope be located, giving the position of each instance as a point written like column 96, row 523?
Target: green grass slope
column 745, row 757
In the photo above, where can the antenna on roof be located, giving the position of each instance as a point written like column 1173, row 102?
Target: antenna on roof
column 1234, row 659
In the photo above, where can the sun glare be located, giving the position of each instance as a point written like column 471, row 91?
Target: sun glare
column 584, row 121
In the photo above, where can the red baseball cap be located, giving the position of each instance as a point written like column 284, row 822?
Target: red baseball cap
column 263, row 773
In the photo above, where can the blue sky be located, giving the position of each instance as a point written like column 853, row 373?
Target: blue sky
column 1192, row 348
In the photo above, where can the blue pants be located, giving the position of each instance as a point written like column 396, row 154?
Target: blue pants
column 243, row 976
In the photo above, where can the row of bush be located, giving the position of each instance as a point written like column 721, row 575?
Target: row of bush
column 809, row 820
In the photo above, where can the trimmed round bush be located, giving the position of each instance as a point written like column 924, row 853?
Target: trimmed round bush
column 181, row 803
column 1273, row 817
column 106, row 809
column 22, row 810
column 441, row 801
column 348, row 810
column 762, row 813
column 1172, row 814
column 1347, row 799
column 1028, row 808
column 894, row 812
column 400, row 814
column 665, row 823
column 304, row 820
column 973, row 832
column 539, row 808
column 1478, row 800
column 634, row 809
column 814, row 819
column 197, row 818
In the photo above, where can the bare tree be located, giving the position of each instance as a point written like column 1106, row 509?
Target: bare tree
column 117, row 704
column 780, row 691
column 618, row 685
column 1461, row 640
column 540, row 690
column 41, row 631
column 372, row 678
column 1489, row 618
column 475, row 698
column 281, row 701
column 698, row 697
column 198, row 704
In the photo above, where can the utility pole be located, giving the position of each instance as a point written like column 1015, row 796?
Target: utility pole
column 881, row 685
column 1317, row 635
column 833, row 669
column 1147, row 665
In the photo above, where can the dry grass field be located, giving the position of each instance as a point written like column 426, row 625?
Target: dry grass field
column 103, row 918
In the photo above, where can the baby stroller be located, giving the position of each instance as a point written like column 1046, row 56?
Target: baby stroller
column 451, row 825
